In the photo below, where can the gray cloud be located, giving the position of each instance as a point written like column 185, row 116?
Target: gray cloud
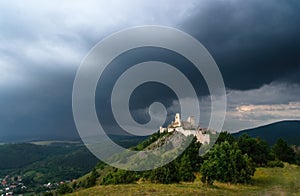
column 255, row 107
column 268, row 104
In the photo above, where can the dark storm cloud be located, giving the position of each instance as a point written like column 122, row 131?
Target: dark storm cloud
column 253, row 42
column 42, row 111
column 145, row 94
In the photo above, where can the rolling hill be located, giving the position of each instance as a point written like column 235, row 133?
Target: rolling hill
column 287, row 130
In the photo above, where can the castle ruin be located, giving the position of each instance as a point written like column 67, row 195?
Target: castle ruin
column 187, row 128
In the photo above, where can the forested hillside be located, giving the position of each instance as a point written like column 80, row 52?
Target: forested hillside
column 40, row 164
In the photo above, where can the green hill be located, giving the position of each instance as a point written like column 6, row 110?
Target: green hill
column 287, row 130
column 266, row 181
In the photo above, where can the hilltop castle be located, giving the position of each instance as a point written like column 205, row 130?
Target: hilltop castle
column 187, row 127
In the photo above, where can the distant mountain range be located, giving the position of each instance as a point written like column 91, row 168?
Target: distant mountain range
column 287, row 130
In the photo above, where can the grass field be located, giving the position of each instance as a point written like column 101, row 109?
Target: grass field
column 266, row 181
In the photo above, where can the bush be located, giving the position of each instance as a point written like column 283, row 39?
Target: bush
column 63, row 189
column 275, row 163
column 120, row 177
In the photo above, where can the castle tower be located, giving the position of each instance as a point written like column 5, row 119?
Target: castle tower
column 177, row 120
column 191, row 119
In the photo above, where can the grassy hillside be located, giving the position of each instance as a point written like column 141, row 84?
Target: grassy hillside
column 287, row 130
column 266, row 181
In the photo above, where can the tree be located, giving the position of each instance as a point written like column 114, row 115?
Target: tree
column 166, row 174
column 225, row 136
column 192, row 153
column 63, row 189
column 262, row 155
column 283, row 152
column 297, row 158
column 257, row 149
column 91, row 180
column 296, row 149
column 185, row 169
column 226, row 163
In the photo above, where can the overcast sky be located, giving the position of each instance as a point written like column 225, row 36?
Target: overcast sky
column 256, row 45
